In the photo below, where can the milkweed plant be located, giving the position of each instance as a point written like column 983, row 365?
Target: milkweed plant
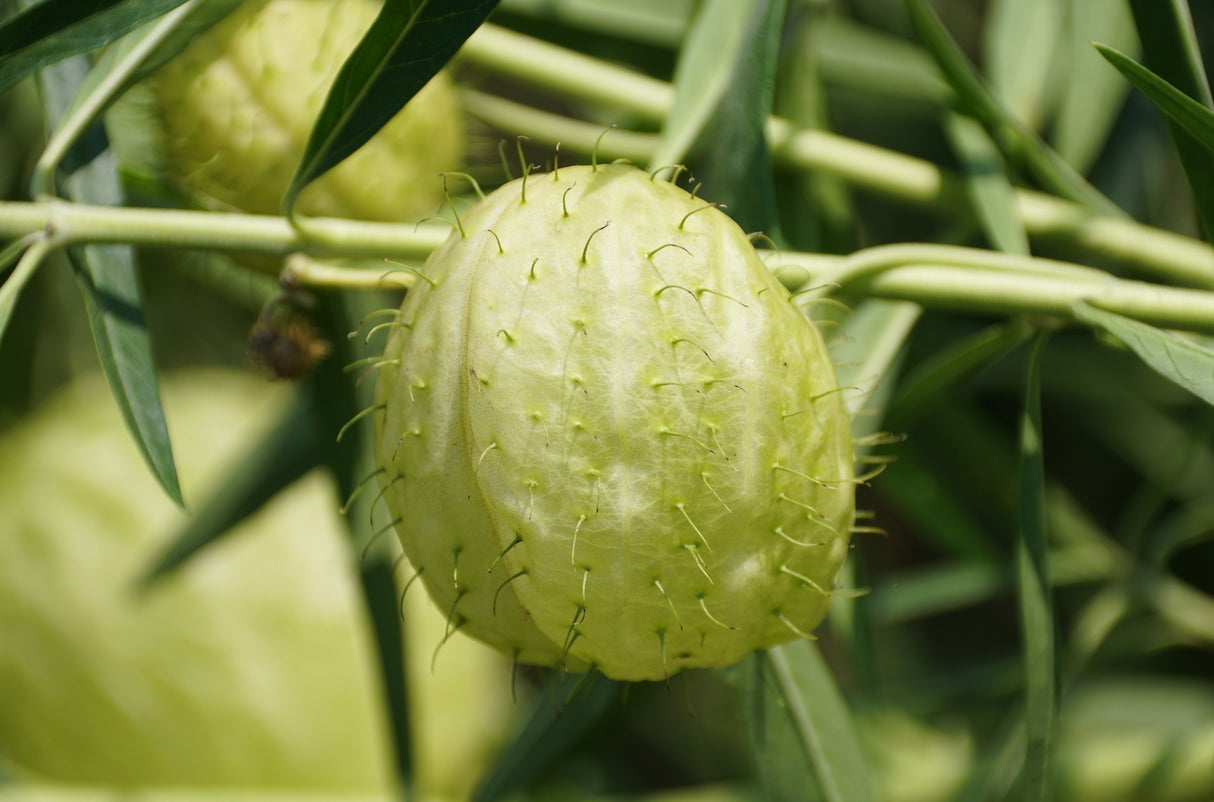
column 607, row 400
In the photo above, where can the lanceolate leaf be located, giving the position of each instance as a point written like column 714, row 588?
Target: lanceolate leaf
column 1191, row 115
column 724, row 85
column 408, row 43
column 801, row 728
column 1183, row 361
column 1191, row 124
column 568, row 707
column 117, row 69
column 110, row 285
column 52, row 30
column 1036, row 602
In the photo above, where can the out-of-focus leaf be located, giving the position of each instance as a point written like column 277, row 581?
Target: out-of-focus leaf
column 1191, row 124
column 802, row 732
column 270, row 465
column 1036, row 599
column 987, row 181
column 1019, row 144
column 122, row 65
column 110, row 285
column 334, row 400
column 1020, row 39
column 52, row 30
column 663, row 23
column 1170, row 50
column 723, row 96
column 941, row 375
column 1091, row 96
column 409, row 42
column 562, row 713
column 875, row 333
column 1183, row 361
column 863, row 58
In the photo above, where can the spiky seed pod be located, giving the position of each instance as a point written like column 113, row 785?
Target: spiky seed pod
column 236, row 107
column 609, row 436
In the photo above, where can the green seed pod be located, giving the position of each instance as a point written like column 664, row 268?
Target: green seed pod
column 609, row 436
column 236, row 107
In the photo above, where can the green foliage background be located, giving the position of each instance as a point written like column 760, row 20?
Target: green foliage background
column 1038, row 608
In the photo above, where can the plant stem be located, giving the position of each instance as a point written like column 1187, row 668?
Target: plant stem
column 75, row 223
column 1152, row 251
column 984, row 281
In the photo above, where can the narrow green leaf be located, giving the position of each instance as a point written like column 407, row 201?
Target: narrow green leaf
column 1183, row 361
column 1191, row 124
column 802, row 733
column 285, row 454
column 1195, row 118
column 1020, row 42
column 122, row 65
column 334, row 399
column 109, row 283
column 409, row 42
column 867, row 357
column 1020, row 145
column 723, row 94
column 988, row 185
column 562, row 713
column 52, row 30
column 1036, row 602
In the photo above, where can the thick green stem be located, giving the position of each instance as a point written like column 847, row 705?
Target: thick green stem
column 985, row 281
column 79, row 223
column 1152, row 251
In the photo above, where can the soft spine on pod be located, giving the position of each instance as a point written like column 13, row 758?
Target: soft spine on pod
column 609, row 437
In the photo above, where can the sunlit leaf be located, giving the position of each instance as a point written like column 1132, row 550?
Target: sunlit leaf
column 406, row 46
column 1183, row 361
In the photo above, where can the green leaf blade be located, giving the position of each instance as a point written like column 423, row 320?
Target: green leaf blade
column 406, row 46
column 1183, row 361
column 723, row 94
column 53, row 30
column 1036, row 598
column 109, row 282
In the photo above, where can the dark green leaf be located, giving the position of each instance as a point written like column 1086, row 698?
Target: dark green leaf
column 801, row 729
column 1036, row 602
column 1195, row 118
column 409, row 42
column 53, row 30
column 1191, row 124
column 335, row 399
column 1020, row 145
column 1183, row 361
column 109, row 282
column 723, row 95
column 562, row 713
column 987, row 181
column 122, row 65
